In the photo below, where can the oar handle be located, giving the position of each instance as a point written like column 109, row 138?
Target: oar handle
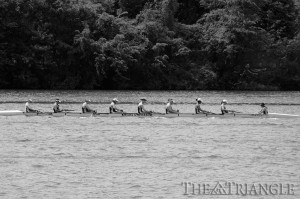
column 232, row 111
column 207, row 112
column 157, row 113
column 67, row 110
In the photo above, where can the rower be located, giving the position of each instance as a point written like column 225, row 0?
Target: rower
column 113, row 108
column 141, row 108
column 264, row 109
column 223, row 108
column 86, row 109
column 56, row 108
column 169, row 108
column 28, row 109
column 198, row 108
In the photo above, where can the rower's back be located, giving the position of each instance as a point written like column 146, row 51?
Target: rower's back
column 140, row 107
column 56, row 108
column 265, row 110
column 168, row 107
column 83, row 108
column 112, row 107
column 197, row 108
column 27, row 107
column 223, row 108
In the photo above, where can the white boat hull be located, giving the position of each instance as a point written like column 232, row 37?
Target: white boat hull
column 72, row 114
column 11, row 113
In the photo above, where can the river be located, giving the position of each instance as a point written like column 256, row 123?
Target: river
column 68, row 157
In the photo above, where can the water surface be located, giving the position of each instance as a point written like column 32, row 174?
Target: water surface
column 65, row 157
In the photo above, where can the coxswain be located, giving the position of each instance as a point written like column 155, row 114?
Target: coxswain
column 28, row 108
column 86, row 109
column 56, row 107
column 169, row 108
column 223, row 107
column 113, row 108
column 141, row 108
column 264, row 109
column 198, row 109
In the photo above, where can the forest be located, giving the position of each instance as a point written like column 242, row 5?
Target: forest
column 150, row 44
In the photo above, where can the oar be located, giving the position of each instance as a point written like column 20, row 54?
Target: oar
column 153, row 112
column 157, row 113
column 233, row 111
column 175, row 112
column 102, row 113
column 118, row 112
column 67, row 110
column 208, row 112
column 39, row 112
column 43, row 112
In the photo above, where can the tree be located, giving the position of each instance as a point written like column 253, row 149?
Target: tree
column 233, row 40
column 189, row 12
column 133, row 7
column 169, row 8
column 278, row 17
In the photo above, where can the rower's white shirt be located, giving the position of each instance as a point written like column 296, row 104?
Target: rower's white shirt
column 85, row 105
column 223, row 107
column 169, row 106
column 197, row 105
column 113, row 105
column 141, row 105
column 27, row 105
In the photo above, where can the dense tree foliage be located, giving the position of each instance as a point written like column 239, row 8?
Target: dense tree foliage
column 150, row 44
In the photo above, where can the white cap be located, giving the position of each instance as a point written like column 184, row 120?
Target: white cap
column 224, row 101
column 87, row 100
column 115, row 100
column 199, row 100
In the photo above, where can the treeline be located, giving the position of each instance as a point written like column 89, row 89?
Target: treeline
column 150, row 44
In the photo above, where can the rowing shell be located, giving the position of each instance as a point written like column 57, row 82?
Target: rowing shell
column 72, row 114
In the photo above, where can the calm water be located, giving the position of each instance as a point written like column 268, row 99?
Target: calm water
column 43, row 157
